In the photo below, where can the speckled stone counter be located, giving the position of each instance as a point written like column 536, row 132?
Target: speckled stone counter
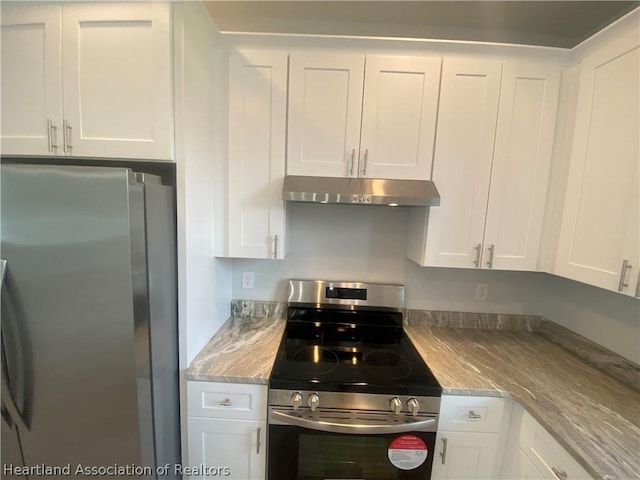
column 594, row 416
column 556, row 375
column 242, row 351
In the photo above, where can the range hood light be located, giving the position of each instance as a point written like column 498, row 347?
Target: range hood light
column 393, row 204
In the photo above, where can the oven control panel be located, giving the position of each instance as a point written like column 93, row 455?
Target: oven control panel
column 300, row 400
column 346, row 293
column 358, row 294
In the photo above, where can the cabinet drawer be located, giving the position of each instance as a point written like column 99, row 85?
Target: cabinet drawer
column 461, row 413
column 546, row 454
column 227, row 400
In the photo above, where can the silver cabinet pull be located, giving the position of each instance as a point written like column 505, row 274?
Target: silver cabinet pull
column 443, row 453
column 473, row 415
column 492, row 249
column 364, row 165
column 275, row 246
column 66, row 136
column 258, row 442
column 353, row 161
column 225, row 403
column 476, row 262
column 52, row 133
column 623, row 274
column 638, row 285
column 560, row 474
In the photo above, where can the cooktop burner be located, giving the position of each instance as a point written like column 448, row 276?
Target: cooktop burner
column 349, row 348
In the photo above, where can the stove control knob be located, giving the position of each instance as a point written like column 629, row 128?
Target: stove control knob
column 396, row 405
column 296, row 399
column 413, row 405
column 314, row 401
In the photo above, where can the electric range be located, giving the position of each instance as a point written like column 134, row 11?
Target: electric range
column 347, row 375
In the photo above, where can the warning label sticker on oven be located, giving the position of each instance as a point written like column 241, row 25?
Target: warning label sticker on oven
column 407, row 452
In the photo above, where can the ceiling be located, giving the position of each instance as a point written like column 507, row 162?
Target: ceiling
column 561, row 24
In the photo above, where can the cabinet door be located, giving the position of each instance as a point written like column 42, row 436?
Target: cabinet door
column 325, row 106
column 521, row 162
column 117, row 80
column 399, row 116
column 238, row 445
column 465, row 455
column 599, row 227
column 257, row 131
column 528, row 470
column 31, row 82
column 546, row 455
column 462, row 164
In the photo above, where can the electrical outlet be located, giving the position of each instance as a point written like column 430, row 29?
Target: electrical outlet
column 247, row 279
column 482, row 291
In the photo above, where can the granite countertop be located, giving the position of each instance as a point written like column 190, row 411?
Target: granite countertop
column 242, row 351
column 593, row 415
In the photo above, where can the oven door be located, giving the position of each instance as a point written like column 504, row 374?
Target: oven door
column 331, row 451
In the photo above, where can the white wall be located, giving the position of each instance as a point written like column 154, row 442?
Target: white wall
column 344, row 242
column 332, row 242
column 203, row 281
column 607, row 318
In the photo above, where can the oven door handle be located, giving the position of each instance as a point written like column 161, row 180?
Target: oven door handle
column 356, row 429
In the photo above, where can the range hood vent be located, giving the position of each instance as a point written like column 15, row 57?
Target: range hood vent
column 360, row 191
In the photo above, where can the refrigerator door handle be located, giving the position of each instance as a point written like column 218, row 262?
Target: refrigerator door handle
column 10, row 412
column 6, row 418
column 9, row 405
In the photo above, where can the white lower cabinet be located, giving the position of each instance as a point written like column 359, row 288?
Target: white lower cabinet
column 526, row 470
column 465, row 455
column 534, row 454
column 468, row 441
column 233, row 446
column 227, row 430
column 546, row 454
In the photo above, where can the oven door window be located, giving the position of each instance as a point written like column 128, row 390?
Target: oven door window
column 310, row 455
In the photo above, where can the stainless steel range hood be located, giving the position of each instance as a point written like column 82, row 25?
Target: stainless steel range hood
column 361, row 191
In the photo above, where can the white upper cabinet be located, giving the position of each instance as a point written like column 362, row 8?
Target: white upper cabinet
column 493, row 152
column 399, row 117
column 257, row 132
column 101, row 77
column 598, row 241
column 521, row 163
column 348, row 120
column 462, row 169
column 31, row 79
column 325, row 106
column 117, row 80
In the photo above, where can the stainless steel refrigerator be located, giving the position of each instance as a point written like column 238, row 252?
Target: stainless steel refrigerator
column 89, row 322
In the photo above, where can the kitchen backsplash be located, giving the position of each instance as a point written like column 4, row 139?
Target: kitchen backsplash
column 493, row 321
column 258, row 309
column 486, row 321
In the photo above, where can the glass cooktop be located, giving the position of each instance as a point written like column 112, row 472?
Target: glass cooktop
column 348, row 351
